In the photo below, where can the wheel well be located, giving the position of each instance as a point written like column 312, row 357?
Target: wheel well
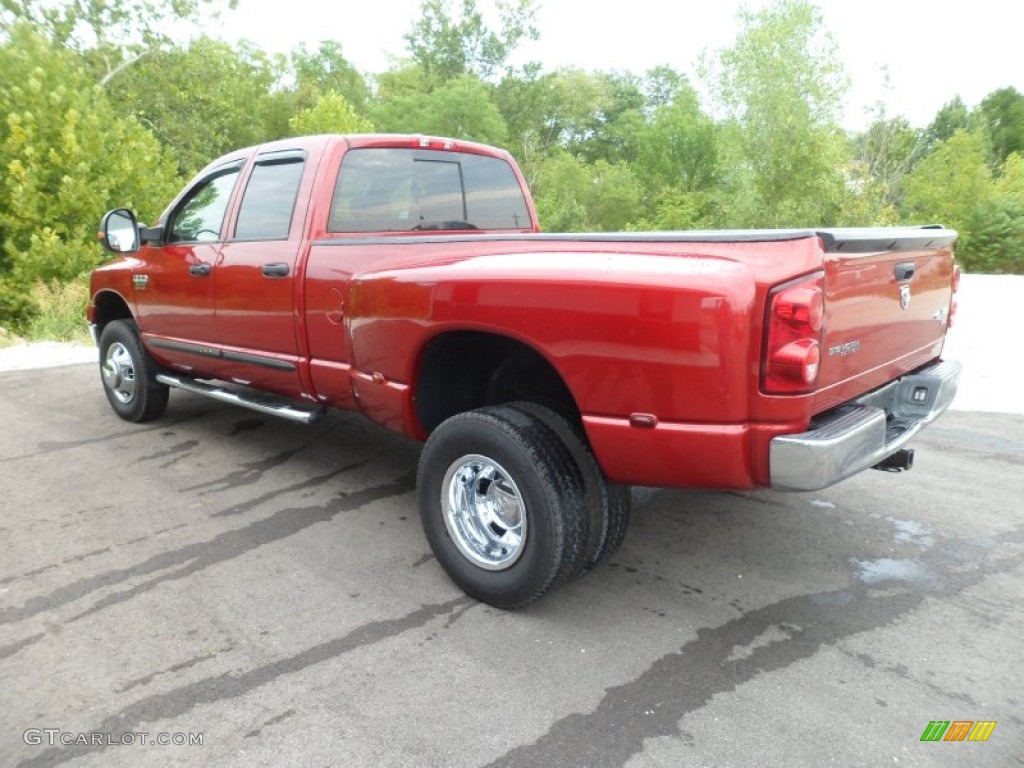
column 108, row 307
column 464, row 370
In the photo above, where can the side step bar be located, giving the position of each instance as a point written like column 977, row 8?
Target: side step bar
column 256, row 402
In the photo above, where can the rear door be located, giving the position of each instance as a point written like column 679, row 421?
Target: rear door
column 256, row 275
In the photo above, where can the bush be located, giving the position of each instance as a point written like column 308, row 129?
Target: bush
column 996, row 237
column 60, row 314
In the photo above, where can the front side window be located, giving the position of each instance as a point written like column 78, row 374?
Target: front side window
column 407, row 190
column 200, row 217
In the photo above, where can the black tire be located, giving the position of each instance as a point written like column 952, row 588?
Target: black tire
column 608, row 504
column 129, row 374
column 513, row 454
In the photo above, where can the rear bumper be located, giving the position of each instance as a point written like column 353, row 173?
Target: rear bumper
column 863, row 432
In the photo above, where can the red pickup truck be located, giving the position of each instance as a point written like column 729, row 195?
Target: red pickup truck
column 406, row 277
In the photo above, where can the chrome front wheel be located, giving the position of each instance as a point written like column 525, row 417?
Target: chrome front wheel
column 127, row 373
column 118, row 372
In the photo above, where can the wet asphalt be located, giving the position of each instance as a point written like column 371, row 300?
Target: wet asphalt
column 265, row 587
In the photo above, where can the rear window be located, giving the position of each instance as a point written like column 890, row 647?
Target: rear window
column 408, row 190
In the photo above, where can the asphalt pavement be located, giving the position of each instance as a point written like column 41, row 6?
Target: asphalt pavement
column 265, row 589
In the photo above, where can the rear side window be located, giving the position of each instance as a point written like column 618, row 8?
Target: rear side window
column 406, row 190
column 269, row 199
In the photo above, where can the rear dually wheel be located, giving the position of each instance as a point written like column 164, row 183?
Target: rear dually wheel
column 501, row 501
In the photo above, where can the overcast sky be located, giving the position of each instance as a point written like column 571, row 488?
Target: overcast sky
column 932, row 50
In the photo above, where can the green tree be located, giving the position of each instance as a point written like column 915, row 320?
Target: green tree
column 781, row 85
column 550, row 112
column 450, row 41
column 112, row 36
column 661, row 86
column 66, row 156
column 612, row 129
column 996, row 223
column 331, row 114
column 1003, row 114
column 945, row 186
column 574, row 196
column 460, row 108
column 884, row 155
column 953, row 116
column 326, row 70
column 203, row 100
column 678, row 161
column 951, row 186
column 678, row 148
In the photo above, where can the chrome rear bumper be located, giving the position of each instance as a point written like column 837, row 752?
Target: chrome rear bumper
column 860, row 434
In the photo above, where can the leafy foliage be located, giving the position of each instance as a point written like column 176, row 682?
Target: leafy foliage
column 326, row 70
column 100, row 108
column 1002, row 112
column 947, row 184
column 203, row 100
column 782, row 86
column 996, row 223
column 461, row 108
column 574, row 196
column 449, row 43
column 331, row 114
column 67, row 156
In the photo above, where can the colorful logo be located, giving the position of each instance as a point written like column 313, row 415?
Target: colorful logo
column 958, row 730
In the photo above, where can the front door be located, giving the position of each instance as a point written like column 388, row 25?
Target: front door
column 174, row 288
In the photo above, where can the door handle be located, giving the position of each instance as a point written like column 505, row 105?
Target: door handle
column 199, row 270
column 279, row 269
column 904, row 271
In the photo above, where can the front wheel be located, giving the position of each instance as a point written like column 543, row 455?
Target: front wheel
column 128, row 374
column 501, row 502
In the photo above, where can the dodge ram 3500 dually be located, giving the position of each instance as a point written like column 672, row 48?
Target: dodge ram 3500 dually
column 406, row 277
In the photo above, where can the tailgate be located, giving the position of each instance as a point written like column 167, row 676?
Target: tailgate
column 887, row 305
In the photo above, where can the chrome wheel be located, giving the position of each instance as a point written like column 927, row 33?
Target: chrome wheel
column 484, row 512
column 119, row 372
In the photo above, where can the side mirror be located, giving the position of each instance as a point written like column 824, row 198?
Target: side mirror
column 119, row 231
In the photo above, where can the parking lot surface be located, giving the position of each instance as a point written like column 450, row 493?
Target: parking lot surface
column 265, row 588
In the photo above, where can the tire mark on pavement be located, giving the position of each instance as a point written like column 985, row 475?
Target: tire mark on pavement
column 13, row 648
column 235, row 510
column 272, row 721
column 653, row 704
column 52, row 566
column 313, row 482
column 178, row 449
column 53, row 446
column 253, row 471
column 199, row 555
column 230, row 685
column 147, row 679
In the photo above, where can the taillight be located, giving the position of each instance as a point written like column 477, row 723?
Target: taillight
column 792, row 350
column 956, row 290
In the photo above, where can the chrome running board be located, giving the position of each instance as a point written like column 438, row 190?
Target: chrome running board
column 257, row 402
